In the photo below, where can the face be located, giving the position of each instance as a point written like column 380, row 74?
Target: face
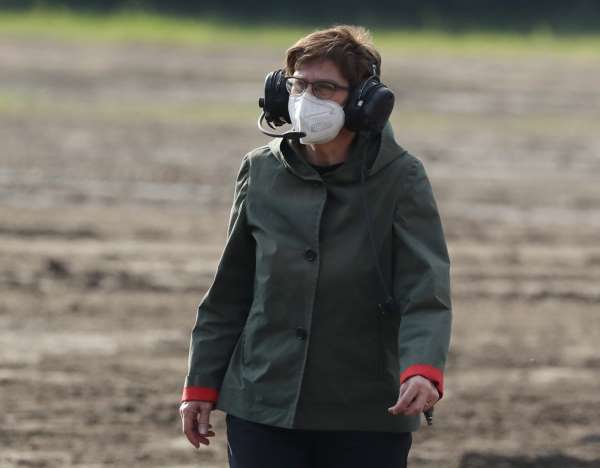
column 324, row 70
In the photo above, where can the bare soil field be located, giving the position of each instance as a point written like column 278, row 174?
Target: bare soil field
column 117, row 165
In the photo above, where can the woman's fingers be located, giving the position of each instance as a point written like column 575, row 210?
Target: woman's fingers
column 405, row 399
column 203, row 439
column 190, row 426
column 432, row 400
column 425, row 400
column 418, row 404
column 195, row 420
column 203, row 420
column 416, row 394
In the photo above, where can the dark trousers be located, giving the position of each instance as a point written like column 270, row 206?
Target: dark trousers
column 254, row 445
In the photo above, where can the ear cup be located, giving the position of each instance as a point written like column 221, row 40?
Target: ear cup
column 369, row 106
column 275, row 101
column 377, row 108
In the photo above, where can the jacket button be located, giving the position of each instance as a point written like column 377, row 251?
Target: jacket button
column 310, row 255
column 301, row 333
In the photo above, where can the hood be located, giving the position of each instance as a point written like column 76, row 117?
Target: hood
column 378, row 150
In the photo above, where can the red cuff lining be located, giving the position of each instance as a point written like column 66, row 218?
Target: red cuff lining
column 200, row 393
column 432, row 373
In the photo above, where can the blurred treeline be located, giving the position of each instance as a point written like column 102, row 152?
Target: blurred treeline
column 557, row 16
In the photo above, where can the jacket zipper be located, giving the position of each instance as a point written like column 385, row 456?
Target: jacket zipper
column 243, row 348
column 380, row 349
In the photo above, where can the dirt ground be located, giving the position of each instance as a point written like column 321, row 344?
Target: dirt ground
column 117, row 166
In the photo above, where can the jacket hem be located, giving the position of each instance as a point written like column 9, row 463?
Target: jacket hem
column 372, row 416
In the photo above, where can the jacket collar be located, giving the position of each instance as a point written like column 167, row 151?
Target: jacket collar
column 377, row 150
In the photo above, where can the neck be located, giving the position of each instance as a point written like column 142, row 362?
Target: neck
column 332, row 152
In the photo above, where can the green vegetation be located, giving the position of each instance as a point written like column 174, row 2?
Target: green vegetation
column 139, row 27
column 147, row 27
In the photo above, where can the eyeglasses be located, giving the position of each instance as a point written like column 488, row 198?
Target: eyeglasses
column 323, row 89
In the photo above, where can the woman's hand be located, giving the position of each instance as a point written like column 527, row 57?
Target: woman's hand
column 417, row 394
column 195, row 420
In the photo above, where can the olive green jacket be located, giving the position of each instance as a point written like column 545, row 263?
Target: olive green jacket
column 289, row 332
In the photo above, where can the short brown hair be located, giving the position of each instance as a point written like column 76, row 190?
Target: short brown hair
column 349, row 47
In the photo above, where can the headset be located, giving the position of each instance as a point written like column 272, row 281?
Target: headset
column 367, row 108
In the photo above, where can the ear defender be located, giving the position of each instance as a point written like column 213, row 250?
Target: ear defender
column 368, row 106
column 275, row 102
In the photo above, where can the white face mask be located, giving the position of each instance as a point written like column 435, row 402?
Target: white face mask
column 320, row 119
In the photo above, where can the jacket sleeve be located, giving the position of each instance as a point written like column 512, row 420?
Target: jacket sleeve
column 421, row 281
column 223, row 310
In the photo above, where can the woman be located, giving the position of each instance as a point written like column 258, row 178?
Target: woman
column 326, row 329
